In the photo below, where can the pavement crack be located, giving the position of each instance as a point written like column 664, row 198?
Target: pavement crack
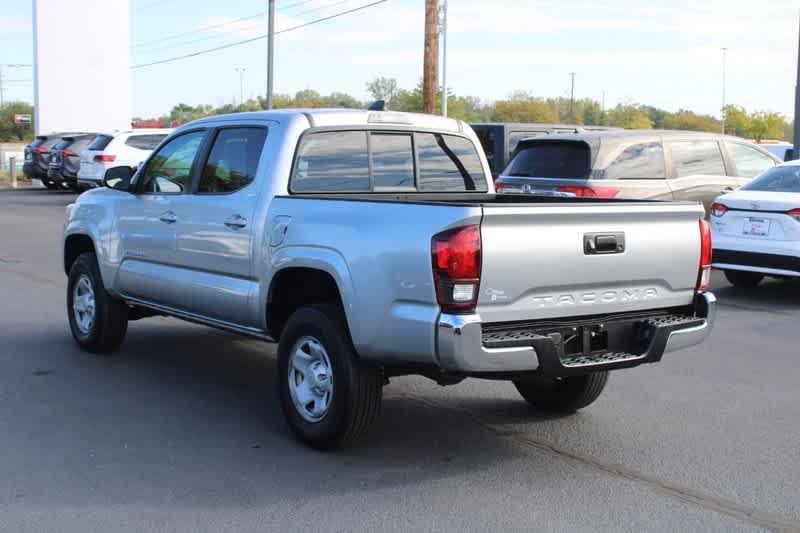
column 698, row 498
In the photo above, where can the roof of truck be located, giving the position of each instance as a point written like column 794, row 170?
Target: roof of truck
column 345, row 117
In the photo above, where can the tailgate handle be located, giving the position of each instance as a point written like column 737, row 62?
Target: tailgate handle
column 603, row 243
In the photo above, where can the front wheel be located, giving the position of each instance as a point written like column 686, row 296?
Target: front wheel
column 562, row 395
column 98, row 321
column 329, row 398
column 743, row 279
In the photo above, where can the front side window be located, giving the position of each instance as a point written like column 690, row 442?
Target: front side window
column 448, row 163
column 392, row 161
column 332, row 161
column 638, row 161
column 233, row 160
column 168, row 171
column 749, row 161
column 697, row 157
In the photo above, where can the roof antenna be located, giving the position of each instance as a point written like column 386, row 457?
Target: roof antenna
column 377, row 105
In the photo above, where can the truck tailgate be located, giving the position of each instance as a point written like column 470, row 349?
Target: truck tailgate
column 546, row 260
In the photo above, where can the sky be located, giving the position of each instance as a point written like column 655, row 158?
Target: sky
column 662, row 53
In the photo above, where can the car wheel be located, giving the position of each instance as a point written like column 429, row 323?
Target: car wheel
column 98, row 321
column 743, row 279
column 50, row 184
column 562, row 395
column 329, row 398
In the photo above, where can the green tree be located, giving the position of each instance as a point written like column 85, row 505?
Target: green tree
column 766, row 125
column 9, row 131
column 737, row 121
column 688, row 120
column 630, row 117
column 383, row 89
column 523, row 107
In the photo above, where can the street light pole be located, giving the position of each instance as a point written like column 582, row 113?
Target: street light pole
column 271, row 52
column 724, row 58
column 444, row 57
column 241, row 70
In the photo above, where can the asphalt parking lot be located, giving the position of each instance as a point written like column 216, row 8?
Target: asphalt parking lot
column 180, row 430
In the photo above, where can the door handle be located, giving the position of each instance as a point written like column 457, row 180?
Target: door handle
column 728, row 189
column 236, row 222
column 169, row 217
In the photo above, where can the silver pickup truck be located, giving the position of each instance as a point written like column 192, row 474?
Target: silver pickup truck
column 370, row 244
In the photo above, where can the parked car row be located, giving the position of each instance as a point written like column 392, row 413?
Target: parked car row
column 78, row 160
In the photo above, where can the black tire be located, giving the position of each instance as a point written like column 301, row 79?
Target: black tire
column 50, row 184
column 355, row 400
column 562, row 395
column 110, row 323
column 743, row 279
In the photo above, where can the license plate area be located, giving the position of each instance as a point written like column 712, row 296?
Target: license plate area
column 758, row 227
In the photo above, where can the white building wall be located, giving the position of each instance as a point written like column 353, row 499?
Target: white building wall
column 82, row 76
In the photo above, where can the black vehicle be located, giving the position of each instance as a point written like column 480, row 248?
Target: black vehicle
column 65, row 158
column 37, row 159
column 500, row 139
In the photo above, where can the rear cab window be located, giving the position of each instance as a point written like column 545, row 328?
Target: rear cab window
column 354, row 161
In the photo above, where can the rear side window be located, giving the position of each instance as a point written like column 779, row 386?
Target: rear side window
column 448, row 163
column 233, row 160
column 145, row 142
column 551, row 159
column 392, row 161
column 638, row 161
column 81, row 144
column 332, row 161
column 697, row 157
column 749, row 161
column 100, row 142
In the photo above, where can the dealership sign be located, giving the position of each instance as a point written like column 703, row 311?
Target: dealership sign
column 22, row 119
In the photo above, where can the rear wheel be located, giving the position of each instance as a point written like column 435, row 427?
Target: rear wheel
column 98, row 321
column 743, row 279
column 328, row 397
column 562, row 395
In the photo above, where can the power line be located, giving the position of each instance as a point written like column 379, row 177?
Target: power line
column 253, row 39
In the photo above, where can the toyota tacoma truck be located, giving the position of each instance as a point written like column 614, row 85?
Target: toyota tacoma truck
column 369, row 245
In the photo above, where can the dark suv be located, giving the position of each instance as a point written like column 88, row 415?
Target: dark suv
column 37, row 158
column 499, row 139
column 679, row 165
column 65, row 158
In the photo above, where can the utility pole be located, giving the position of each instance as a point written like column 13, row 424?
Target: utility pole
column 571, row 92
column 431, row 56
column 443, row 19
column 271, row 52
column 603, row 108
column 724, row 58
column 241, row 70
column 796, row 154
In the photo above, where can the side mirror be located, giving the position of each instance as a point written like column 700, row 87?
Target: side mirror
column 789, row 155
column 118, row 178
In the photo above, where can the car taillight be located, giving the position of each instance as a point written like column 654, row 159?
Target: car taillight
column 795, row 214
column 704, row 272
column 498, row 187
column 66, row 152
column 105, row 158
column 585, row 191
column 717, row 209
column 40, row 150
column 456, row 256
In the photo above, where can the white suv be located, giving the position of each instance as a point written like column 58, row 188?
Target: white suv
column 121, row 148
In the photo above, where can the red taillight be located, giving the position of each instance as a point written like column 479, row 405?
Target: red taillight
column 584, row 191
column 795, row 214
column 104, row 158
column 66, row 152
column 717, row 209
column 40, row 150
column 498, row 187
column 704, row 272
column 456, row 256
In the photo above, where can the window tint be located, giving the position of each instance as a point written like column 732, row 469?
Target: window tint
column 778, row 179
column 144, row 142
column 392, row 160
column 168, row 170
column 233, row 160
column 332, row 161
column 36, row 142
column 642, row 160
column 63, row 143
column 81, row 143
column 551, row 159
column 749, row 161
column 100, row 142
column 697, row 157
column 515, row 136
column 448, row 163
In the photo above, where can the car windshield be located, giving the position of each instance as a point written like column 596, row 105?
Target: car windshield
column 778, row 179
